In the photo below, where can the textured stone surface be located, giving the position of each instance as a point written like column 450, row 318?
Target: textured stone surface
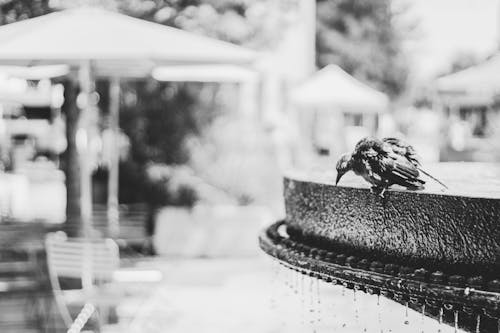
column 459, row 227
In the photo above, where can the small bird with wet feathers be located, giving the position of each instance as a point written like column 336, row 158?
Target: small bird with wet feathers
column 384, row 163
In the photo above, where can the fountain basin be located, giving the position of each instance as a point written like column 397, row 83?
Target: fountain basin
column 457, row 230
column 434, row 250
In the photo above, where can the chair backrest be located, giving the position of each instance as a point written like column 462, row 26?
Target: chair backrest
column 87, row 259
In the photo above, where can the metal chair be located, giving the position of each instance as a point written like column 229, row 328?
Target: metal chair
column 96, row 264
column 90, row 261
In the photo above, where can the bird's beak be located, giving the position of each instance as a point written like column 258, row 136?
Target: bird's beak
column 339, row 175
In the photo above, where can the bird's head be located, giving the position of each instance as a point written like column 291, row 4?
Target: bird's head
column 343, row 166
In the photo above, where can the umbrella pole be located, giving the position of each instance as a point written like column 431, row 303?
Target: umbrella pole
column 113, row 179
column 85, row 78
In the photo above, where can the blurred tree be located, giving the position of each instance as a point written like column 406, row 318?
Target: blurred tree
column 18, row 10
column 159, row 117
column 460, row 61
column 361, row 37
column 254, row 23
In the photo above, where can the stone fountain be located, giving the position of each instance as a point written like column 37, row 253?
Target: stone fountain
column 434, row 251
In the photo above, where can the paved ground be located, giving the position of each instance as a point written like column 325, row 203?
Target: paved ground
column 257, row 296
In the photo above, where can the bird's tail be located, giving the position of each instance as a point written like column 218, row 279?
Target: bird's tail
column 433, row 178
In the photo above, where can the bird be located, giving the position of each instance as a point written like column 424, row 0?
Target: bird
column 383, row 163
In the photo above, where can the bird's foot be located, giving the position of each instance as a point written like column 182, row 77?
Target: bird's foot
column 378, row 190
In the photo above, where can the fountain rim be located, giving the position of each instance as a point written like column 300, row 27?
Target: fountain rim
column 317, row 263
column 327, row 178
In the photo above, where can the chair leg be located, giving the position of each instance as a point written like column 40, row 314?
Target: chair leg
column 49, row 316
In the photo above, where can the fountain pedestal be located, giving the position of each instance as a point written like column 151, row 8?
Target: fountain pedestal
column 432, row 248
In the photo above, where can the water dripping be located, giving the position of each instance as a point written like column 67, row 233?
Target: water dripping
column 281, row 274
column 302, row 302
column 318, row 303
column 423, row 318
column 440, row 319
column 296, row 283
column 311, row 305
column 379, row 314
column 344, row 287
column 274, row 281
column 406, row 322
column 282, row 290
column 456, row 321
column 334, row 307
column 478, row 323
column 356, row 310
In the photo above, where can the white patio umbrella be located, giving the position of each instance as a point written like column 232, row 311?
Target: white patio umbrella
column 107, row 44
column 112, row 41
column 474, row 85
column 333, row 87
column 205, row 73
column 35, row 72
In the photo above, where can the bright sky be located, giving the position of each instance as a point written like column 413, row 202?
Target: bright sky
column 448, row 27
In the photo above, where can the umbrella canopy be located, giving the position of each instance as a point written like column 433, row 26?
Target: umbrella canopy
column 475, row 85
column 116, row 44
column 34, row 72
column 332, row 87
column 204, row 73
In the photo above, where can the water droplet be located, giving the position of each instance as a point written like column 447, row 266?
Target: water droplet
column 356, row 310
column 312, row 305
column 318, row 302
column 334, row 304
column 296, row 283
column 274, row 278
column 423, row 318
column 478, row 323
column 440, row 319
column 379, row 313
column 406, row 322
column 456, row 321
column 302, row 302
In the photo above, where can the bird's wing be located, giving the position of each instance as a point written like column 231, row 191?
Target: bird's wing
column 402, row 148
column 393, row 167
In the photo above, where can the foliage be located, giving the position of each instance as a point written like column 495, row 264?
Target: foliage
column 159, row 117
column 461, row 61
column 171, row 185
column 361, row 37
column 252, row 23
column 234, row 154
column 13, row 11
